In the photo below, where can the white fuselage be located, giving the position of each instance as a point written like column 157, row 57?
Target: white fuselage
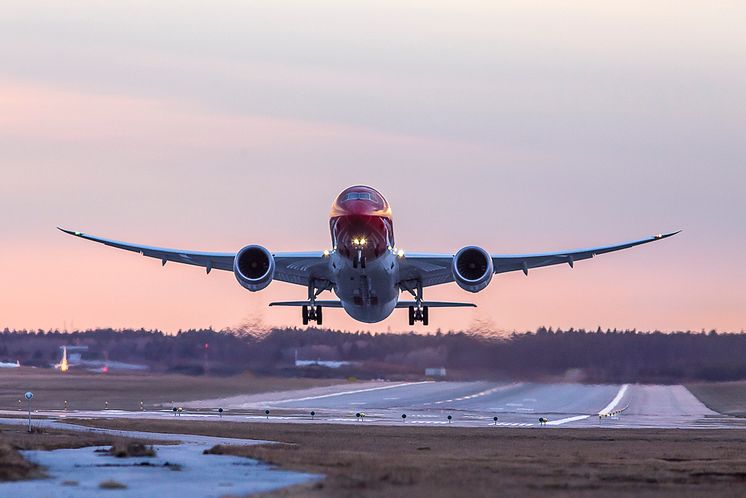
column 367, row 294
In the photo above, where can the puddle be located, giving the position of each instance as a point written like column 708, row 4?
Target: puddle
column 176, row 470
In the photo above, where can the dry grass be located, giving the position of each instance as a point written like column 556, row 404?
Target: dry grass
column 131, row 449
column 91, row 391
column 450, row 461
column 111, row 484
column 724, row 397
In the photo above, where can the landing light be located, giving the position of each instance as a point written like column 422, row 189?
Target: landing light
column 400, row 253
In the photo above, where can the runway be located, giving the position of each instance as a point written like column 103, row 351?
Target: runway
column 515, row 404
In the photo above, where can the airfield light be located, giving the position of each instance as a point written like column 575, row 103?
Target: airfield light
column 326, row 253
column 266, row 412
column 142, row 406
column 107, row 405
column 220, row 412
column 495, row 420
column 65, row 405
column 174, row 409
column 29, row 396
column 400, row 253
column 449, row 418
column 313, row 414
column 357, row 415
column 404, row 417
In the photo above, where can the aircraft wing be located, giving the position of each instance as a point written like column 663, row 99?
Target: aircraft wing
column 434, row 269
column 292, row 267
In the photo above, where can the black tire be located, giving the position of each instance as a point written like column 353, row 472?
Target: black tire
column 411, row 316
column 318, row 315
column 425, row 315
column 304, row 313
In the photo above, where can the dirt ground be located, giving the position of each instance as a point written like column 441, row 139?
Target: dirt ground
column 724, row 397
column 449, row 461
column 13, row 438
column 91, row 391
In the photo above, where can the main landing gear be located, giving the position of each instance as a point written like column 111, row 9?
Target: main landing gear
column 418, row 313
column 312, row 314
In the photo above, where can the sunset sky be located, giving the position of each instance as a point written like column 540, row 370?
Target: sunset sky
column 517, row 126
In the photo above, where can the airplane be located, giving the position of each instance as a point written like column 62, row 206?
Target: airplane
column 364, row 267
column 10, row 364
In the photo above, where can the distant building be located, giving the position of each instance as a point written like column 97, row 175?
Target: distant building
column 321, row 363
column 435, row 372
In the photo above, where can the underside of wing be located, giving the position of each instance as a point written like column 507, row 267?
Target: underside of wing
column 292, row 267
column 523, row 262
column 207, row 260
column 433, row 269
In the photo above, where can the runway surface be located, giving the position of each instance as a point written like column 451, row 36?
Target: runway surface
column 515, row 404
column 518, row 404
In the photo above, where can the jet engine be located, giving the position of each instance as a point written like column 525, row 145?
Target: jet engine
column 472, row 268
column 254, row 267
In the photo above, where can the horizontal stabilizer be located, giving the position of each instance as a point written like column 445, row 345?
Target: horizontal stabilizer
column 400, row 304
column 323, row 304
column 435, row 304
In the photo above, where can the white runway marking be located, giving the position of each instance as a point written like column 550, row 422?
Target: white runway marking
column 568, row 419
column 614, row 402
column 344, row 393
column 472, row 396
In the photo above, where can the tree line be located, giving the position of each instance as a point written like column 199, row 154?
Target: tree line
column 544, row 354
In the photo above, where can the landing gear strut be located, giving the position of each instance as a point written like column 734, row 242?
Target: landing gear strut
column 313, row 313
column 418, row 313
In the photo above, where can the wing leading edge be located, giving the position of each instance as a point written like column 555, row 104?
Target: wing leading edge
column 292, row 267
column 434, row 269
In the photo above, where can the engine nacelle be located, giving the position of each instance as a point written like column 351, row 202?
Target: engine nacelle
column 472, row 268
column 254, row 267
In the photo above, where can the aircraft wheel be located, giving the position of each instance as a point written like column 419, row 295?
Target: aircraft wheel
column 305, row 315
column 425, row 315
column 318, row 315
column 411, row 315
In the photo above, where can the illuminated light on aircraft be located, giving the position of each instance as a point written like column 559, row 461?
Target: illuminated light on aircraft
column 364, row 268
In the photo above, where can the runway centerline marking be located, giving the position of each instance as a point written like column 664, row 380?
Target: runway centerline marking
column 344, row 393
column 568, row 419
column 614, row 402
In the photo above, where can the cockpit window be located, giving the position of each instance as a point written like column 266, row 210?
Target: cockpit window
column 362, row 196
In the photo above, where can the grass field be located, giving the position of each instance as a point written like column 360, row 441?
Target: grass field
column 724, row 397
column 90, row 391
column 449, row 461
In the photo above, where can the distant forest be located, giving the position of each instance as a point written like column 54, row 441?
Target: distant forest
column 546, row 354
